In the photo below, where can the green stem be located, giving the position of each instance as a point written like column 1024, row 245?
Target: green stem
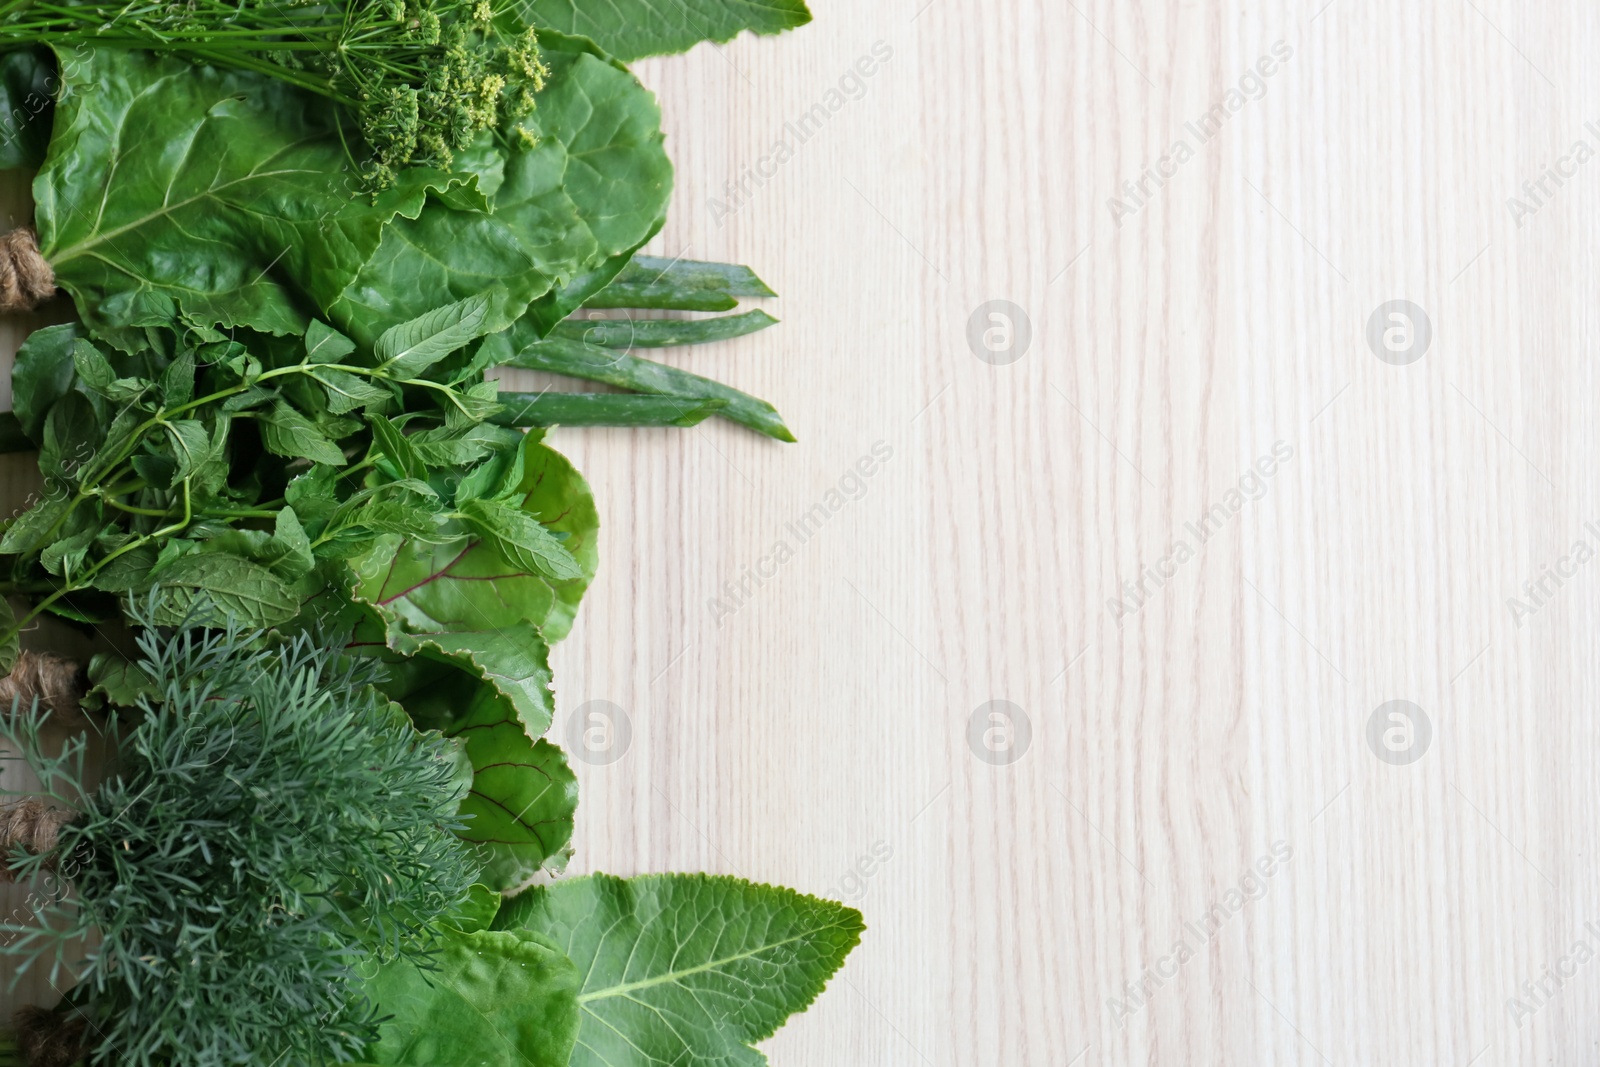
column 662, row 333
column 24, row 588
column 578, row 360
column 130, row 509
column 82, row 580
column 604, row 409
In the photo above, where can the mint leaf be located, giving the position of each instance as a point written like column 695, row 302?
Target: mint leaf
column 71, row 432
column 28, row 531
column 558, row 496
column 238, row 589
column 43, row 374
column 177, row 381
column 92, row 366
column 286, row 432
column 683, row 968
column 191, row 446
column 346, row 392
column 412, row 347
column 324, row 344
column 393, row 444
column 521, row 539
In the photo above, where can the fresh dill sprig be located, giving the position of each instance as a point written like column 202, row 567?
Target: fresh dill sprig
column 424, row 77
column 270, row 825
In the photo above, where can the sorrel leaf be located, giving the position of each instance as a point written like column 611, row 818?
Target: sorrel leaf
column 686, row 967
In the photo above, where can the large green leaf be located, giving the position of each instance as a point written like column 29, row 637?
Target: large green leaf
column 554, row 307
column 513, row 657
column 463, row 599
column 484, row 599
column 558, row 496
column 524, row 795
column 175, row 188
column 27, row 102
column 617, row 171
column 44, row 373
column 686, row 968
column 593, row 186
column 461, row 584
column 240, row 590
column 490, row 999
column 631, row 29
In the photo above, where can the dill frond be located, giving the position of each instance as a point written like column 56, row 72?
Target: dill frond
column 270, row 825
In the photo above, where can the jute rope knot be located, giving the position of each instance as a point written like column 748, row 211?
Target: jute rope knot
column 56, row 683
column 49, row 1038
column 34, row 825
column 26, row 278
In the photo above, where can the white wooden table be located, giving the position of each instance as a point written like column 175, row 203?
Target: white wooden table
column 1187, row 753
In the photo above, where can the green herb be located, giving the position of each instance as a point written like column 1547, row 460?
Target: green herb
column 217, row 240
column 270, row 821
column 576, row 359
column 679, row 285
column 586, row 409
column 492, row 997
column 424, row 76
column 277, row 410
column 681, row 968
column 633, row 29
column 662, row 333
column 144, row 471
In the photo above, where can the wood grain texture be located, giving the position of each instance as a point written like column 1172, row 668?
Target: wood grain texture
column 816, row 723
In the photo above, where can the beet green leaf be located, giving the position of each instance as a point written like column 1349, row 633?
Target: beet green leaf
column 523, row 795
column 172, row 190
column 632, row 29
